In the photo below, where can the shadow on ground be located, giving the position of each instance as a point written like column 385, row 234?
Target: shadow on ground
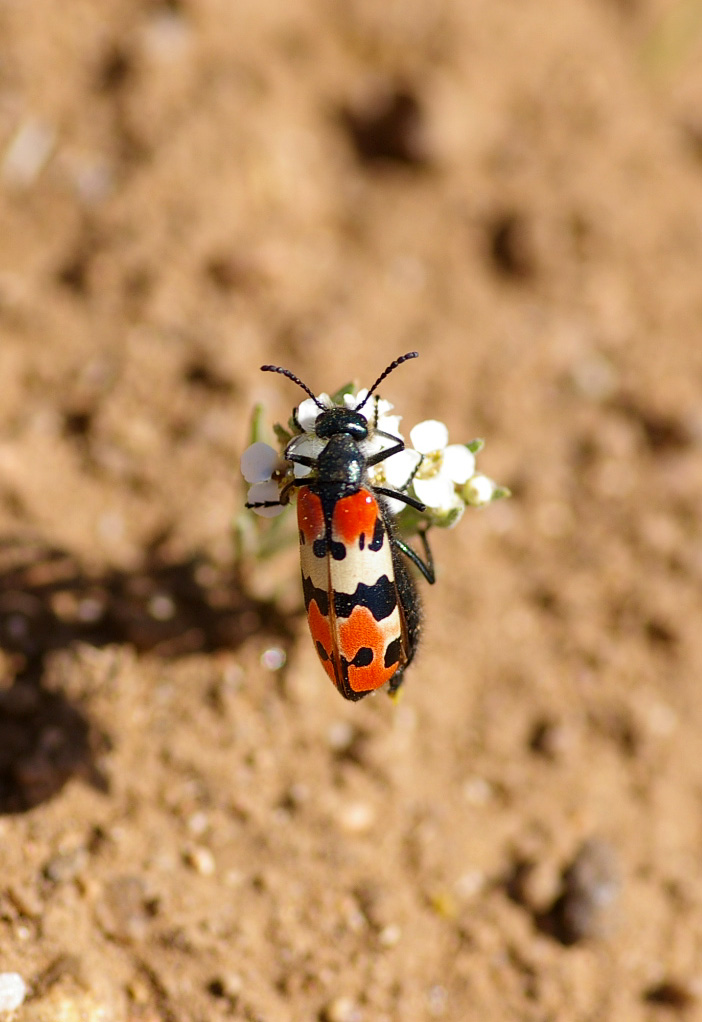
column 48, row 603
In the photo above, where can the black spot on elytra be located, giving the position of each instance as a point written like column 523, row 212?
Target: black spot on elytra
column 320, row 596
column 364, row 657
column 393, row 653
column 378, row 535
column 321, row 651
column 338, row 551
column 321, row 548
column 380, row 599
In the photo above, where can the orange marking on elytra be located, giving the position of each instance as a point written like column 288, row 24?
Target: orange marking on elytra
column 310, row 516
column 320, row 629
column 362, row 630
column 354, row 515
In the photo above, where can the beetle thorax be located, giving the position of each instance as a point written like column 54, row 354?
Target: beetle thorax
column 341, row 462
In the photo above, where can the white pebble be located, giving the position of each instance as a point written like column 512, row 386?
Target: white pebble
column 202, row 860
column 340, row 735
column 13, row 991
column 390, row 935
column 27, row 153
column 357, row 817
column 342, row 1009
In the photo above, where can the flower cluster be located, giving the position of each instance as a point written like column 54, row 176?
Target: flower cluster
column 440, row 475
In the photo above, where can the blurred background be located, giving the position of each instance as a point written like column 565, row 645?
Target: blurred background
column 193, row 824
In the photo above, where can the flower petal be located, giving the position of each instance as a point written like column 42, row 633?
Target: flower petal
column 437, row 492
column 258, row 462
column 395, row 506
column 458, row 463
column 263, row 492
column 354, row 400
column 429, row 436
column 376, row 443
column 390, row 424
column 308, row 411
column 398, row 468
column 478, row 491
column 307, row 444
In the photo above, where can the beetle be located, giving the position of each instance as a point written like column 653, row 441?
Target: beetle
column 362, row 604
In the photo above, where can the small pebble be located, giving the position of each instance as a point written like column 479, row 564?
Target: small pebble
column 591, row 886
column 342, row 1009
column 390, row 935
column 122, row 909
column 198, row 823
column 66, row 866
column 228, row 986
column 13, row 991
column 357, row 817
column 340, row 735
column 477, row 791
column 27, row 153
column 436, row 1001
column 202, row 860
column 470, row 883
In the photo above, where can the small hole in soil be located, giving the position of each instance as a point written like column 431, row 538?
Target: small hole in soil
column 659, row 633
column 389, row 129
column 137, row 284
column 77, row 423
column 511, row 246
column 115, row 70
column 199, row 374
column 663, row 433
column 73, row 275
column 226, row 272
column 670, row 994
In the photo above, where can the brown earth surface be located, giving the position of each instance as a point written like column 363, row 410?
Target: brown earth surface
column 191, row 188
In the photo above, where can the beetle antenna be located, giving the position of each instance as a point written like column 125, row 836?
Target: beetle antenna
column 386, row 372
column 295, row 379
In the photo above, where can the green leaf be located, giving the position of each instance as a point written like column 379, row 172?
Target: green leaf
column 338, row 396
column 256, row 428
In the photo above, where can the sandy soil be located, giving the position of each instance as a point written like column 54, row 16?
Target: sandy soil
column 189, row 189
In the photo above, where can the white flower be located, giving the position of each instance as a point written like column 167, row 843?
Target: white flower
column 435, row 467
column 479, row 490
column 444, row 466
column 260, row 492
column 308, row 411
column 258, row 462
